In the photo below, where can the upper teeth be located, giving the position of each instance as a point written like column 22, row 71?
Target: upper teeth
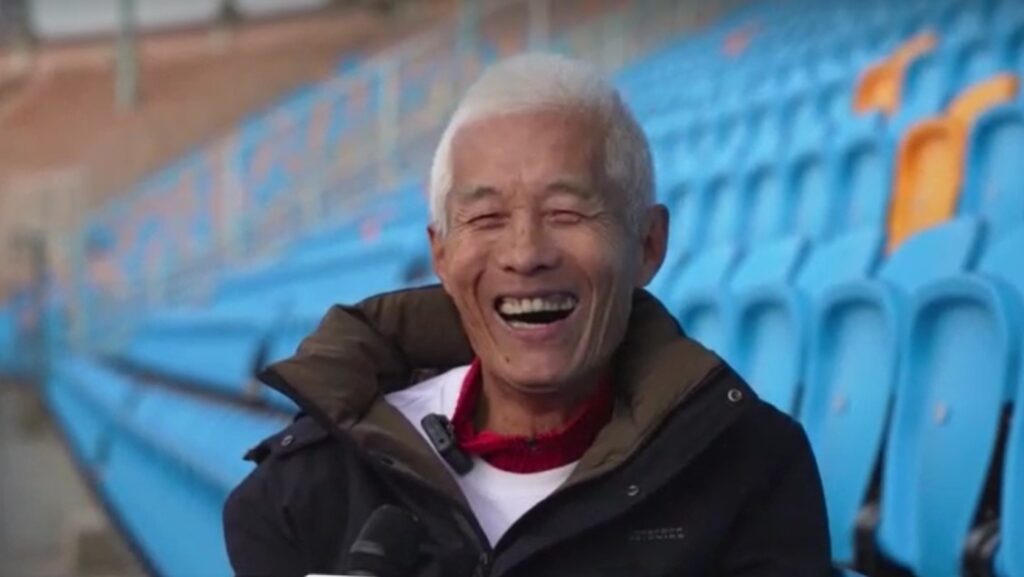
column 513, row 306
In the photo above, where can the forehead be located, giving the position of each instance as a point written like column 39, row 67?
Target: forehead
column 531, row 148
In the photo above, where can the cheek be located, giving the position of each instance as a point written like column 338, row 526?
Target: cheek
column 465, row 261
column 602, row 255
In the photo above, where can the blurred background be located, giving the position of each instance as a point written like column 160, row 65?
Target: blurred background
column 187, row 185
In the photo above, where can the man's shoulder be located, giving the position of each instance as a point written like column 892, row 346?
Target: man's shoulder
column 302, row 434
column 759, row 424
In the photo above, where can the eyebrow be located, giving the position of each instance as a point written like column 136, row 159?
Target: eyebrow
column 476, row 193
column 573, row 186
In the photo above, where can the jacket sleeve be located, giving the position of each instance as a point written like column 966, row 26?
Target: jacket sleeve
column 259, row 541
column 783, row 532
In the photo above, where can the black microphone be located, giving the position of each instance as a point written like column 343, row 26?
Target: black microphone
column 388, row 544
column 442, row 436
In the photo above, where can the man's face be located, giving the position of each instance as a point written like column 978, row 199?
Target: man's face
column 538, row 256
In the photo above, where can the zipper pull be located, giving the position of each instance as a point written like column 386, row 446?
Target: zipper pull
column 483, row 565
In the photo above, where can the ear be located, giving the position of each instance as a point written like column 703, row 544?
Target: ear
column 654, row 244
column 437, row 253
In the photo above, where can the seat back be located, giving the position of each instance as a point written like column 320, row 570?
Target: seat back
column 766, row 334
column 768, row 202
column 994, row 184
column 862, row 177
column 976, row 61
column 925, row 89
column 813, row 204
column 928, row 177
column 725, row 209
column 1002, row 261
column 881, row 86
column 847, row 400
column 982, row 96
column 934, row 254
column 845, row 259
column 694, row 296
column 959, row 372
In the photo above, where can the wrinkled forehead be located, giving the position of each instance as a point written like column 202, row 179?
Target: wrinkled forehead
column 541, row 150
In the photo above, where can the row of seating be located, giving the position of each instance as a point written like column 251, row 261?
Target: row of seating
column 260, row 315
column 163, row 461
column 825, row 270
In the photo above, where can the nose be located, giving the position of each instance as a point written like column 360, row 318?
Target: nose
column 527, row 247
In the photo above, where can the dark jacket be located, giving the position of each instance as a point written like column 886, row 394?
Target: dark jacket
column 693, row 477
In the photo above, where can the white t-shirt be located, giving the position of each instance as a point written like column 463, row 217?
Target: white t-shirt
column 498, row 498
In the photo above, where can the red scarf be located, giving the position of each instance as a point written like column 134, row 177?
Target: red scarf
column 521, row 454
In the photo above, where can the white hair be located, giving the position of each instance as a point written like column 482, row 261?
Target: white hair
column 532, row 82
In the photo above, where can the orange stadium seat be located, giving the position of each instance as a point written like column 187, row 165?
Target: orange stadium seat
column 930, row 165
column 971, row 103
column 880, row 86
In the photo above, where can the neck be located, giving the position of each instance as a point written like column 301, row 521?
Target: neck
column 507, row 410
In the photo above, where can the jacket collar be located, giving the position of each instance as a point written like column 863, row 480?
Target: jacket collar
column 359, row 353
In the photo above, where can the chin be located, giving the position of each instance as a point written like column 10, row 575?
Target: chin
column 546, row 376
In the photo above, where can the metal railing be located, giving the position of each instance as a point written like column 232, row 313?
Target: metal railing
column 328, row 149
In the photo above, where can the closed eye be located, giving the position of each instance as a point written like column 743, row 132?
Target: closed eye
column 565, row 217
column 488, row 220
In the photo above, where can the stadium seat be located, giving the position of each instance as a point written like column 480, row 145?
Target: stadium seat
column 976, row 60
column 87, row 400
column 994, row 183
column 811, row 204
column 1010, row 556
column 768, row 203
column 982, row 96
column 932, row 158
column 960, row 360
column 962, row 21
column 881, row 86
column 928, row 175
column 763, row 328
column 725, row 208
column 695, row 295
column 203, row 349
column 848, row 398
column 926, row 89
column 861, row 175
column 189, row 452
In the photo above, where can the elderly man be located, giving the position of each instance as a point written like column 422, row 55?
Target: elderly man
column 570, row 428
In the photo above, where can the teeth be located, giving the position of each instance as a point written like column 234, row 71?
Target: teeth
column 511, row 306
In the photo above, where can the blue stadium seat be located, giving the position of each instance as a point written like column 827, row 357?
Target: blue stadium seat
column 994, row 183
column 87, row 400
column 204, row 349
column 926, row 90
column 963, row 20
column 1010, row 556
column 763, row 326
column 725, row 207
column 694, row 295
column 861, row 174
column 960, row 360
column 976, row 60
column 188, row 452
column 812, row 204
column 766, row 202
column 848, row 399
column 8, row 335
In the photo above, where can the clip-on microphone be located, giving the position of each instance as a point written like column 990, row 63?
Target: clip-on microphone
column 442, row 436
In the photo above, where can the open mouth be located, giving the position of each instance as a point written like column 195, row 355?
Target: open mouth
column 535, row 311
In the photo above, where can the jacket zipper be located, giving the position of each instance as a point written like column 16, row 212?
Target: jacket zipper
column 476, row 532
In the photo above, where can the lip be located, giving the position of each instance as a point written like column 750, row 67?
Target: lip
column 540, row 333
